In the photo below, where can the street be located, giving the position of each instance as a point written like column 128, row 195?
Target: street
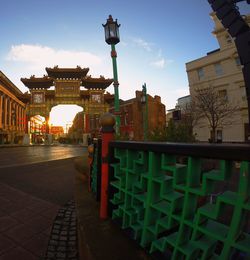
column 16, row 156
column 35, row 182
column 46, row 172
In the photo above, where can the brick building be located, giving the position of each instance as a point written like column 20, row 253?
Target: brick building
column 132, row 112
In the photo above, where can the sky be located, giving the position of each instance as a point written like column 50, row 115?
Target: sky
column 157, row 39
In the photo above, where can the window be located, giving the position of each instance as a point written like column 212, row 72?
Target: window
column 218, row 69
column 219, row 136
column 228, row 39
column 201, row 74
column 237, row 61
column 243, row 93
column 223, row 94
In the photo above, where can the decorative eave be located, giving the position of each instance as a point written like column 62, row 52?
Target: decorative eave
column 109, row 98
column 50, row 93
column 96, row 83
column 25, row 98
column 84, row 93
column 67, row 73
column 37, row 83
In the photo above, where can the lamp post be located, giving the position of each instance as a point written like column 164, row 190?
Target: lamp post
column 111, row 29
column 144, row 101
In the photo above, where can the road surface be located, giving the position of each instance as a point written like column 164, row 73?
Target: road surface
column 46, row 172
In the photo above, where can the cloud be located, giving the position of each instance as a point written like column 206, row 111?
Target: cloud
column 37, row 56
column 161, row 63
column 141, row 43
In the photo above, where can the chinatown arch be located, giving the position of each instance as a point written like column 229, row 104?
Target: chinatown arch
column 67, row 83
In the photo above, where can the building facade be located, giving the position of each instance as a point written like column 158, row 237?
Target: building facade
column 133, row 112
column 12, row 112
column 221, row 69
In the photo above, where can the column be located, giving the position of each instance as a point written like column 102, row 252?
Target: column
column 24, row 120
column 1, row 109
column 19, row 117
column 87, row 123
column 5, row 112
column 10, row 114
column 47, row 124
column 27, row 118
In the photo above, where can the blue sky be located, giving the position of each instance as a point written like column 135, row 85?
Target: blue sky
column 157, row 39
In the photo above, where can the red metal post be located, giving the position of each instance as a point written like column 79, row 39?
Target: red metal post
column 107, row 131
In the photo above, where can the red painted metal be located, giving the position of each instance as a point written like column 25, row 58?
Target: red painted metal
column 106, row 138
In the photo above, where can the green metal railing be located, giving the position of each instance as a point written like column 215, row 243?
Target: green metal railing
column 95, row 172
column 164, row 194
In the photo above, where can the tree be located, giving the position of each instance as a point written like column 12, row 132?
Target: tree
column 190, row 117
column 179, row 131
column 157, row 135
column 215, row 107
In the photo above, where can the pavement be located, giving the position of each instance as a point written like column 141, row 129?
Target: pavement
column 25, row 224
column 32, row 199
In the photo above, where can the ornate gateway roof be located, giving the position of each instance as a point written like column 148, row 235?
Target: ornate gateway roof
column 67, row 73
column 34, row 82
column 96, row 83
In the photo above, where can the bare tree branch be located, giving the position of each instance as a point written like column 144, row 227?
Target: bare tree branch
column 214, row 107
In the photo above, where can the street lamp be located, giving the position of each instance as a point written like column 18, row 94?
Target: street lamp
column 111, row 29
column 144, row 101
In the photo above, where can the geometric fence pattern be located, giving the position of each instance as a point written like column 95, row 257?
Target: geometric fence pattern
column 168, row 205
column 94, row 171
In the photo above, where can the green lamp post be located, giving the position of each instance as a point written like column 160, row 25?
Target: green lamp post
column 111, row 29
column 144, row 101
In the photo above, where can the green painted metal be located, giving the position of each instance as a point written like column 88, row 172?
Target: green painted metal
column 167, row 205
column 116, row 90
column 94, row 171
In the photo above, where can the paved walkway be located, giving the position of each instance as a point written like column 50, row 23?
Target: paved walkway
column 25, row 224
column 31, row 198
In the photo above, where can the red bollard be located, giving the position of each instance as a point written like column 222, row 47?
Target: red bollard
column 107, row 122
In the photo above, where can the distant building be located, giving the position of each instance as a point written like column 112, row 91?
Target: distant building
column 131, row 112
column 36, row 129
column 56, row 131
column 12, row 112
column 183, row 102
column 181, row 106
column 75, row 132
column 221, row 70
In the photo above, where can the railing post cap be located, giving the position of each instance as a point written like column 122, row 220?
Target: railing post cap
column 90, row 148
column 107, row 120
